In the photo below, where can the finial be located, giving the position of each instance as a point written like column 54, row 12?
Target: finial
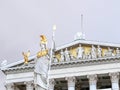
column 79, row 36
column 54, row 27
column 82, row 23
column 4, row 63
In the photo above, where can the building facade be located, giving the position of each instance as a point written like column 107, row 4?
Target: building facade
column 79, row 65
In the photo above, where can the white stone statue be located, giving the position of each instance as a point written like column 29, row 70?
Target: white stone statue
column 109, row 52
column 67, row 55
column 55, row 60
column 42, row 66
column 117, row 52
column 62, row 57
column 93, row 52
column 41, row 72
column 80, row 52
column 4, row 63
column 88, row 55
column 99, row 51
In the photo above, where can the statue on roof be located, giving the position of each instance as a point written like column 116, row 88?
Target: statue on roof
column 62, row 57
column 67, row 55
column 117, row 52
column 43, row 42
column 80, row 52
column 109, row 52
column 93, row 52
column 4, row 63
column 26, row 55
column 55, row 60
column 99, row 51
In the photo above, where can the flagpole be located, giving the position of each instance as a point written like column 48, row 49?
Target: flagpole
column 51, row 54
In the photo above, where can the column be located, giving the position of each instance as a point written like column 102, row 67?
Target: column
column 10, row 86
column 51, row 84
column 29, row 85
column 114, row 80
column 92, row 82
column 71, row 83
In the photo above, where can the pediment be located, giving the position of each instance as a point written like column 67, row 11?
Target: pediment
column 107, row 49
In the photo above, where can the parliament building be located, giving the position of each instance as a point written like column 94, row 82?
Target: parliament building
column 78, row 65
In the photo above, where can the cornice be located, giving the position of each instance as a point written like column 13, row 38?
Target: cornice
column 66, row 64
column 19, row 69
column 85, row 62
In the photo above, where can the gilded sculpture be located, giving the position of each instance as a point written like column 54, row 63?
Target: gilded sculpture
column 26, row 55
column 43, row 45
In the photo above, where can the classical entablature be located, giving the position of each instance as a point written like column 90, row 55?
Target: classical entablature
column 80, row 59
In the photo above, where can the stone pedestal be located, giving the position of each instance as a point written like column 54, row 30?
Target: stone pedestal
column 114, row 80
column 92, row 82
column 71, row 83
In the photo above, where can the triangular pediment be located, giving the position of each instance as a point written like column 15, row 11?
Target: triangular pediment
column 107, row 49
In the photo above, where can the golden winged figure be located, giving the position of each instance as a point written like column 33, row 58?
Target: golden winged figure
column 26, row 55
column 43, row 39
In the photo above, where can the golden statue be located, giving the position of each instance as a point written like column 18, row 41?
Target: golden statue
column 26, row 55
column 43, row 45
column 43, row 42
column 42, row 53
column 43, row 39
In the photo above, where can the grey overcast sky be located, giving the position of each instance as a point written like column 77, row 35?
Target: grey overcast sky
column 22, row 21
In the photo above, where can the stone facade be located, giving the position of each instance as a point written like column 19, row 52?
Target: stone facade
column 80, row 65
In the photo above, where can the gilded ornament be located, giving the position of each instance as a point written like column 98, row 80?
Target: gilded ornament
column 26, row 55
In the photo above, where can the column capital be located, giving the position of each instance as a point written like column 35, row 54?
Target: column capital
column 92, row 78
column 114, row 76
column 51, row 83
column 71, row 81
column 29, row 85
column 28, row 82
column 10, row 86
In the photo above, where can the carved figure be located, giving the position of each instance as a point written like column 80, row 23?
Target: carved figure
column 117, row 52
column 4, row 63
column 26, row 55
column 88, row 55
column 93, row 52
column 109, row 53
column 62, row 57
column 54, row 59
column 80, row 52
column 67, row 55
column 99, row 51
